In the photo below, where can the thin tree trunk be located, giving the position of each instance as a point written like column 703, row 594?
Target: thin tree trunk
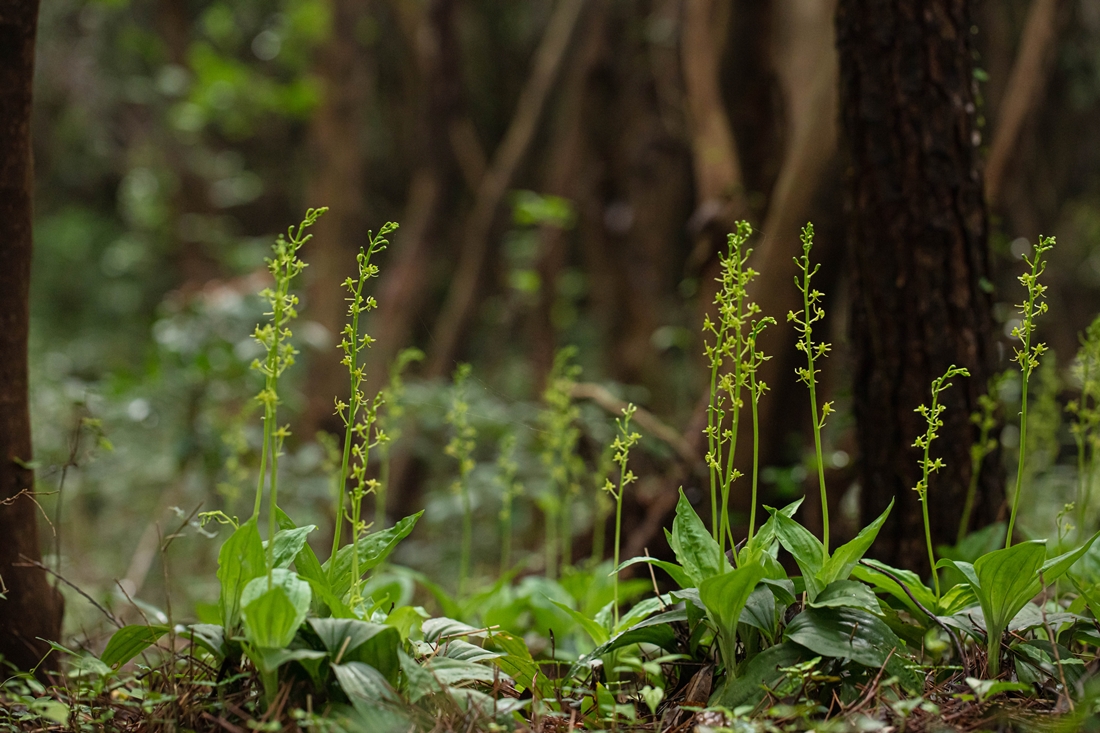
column 803, row 54
column 461, row 298
column 1025, row 89
column 337, row 180
column 405, row 284
column 30, row 609
column 718, row 180
column 919, row 258
column 193, row 264
column 564, row 177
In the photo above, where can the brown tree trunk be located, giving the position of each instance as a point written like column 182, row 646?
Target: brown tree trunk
column 405, row 285
column 919, row 257
column 337, row 181
column 1026, row 86
column 30, row 608
column 461, row 300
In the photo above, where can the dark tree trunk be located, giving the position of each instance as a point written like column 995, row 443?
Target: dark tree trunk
column 32, row 608
column 337, row 179
column 919, row 257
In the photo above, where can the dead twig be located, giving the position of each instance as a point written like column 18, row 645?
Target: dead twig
column 646, row 420
column 933, row 617
column 29, row 563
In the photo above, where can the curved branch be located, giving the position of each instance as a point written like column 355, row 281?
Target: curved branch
column 646, row 420
column 494, row 184
column 1023, row 92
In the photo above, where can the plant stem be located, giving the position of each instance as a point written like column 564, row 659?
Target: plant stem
column 618, row 540
column 971, row 491
column 349, row 423
column 714, row 443
column 467, row 540
column 811, row 313
column 727, row 482
column 551, row 549
column 1020, row 460
column 820, row 468
column 755, row 447
column 566, row 528
column 621, row 447
column 1028, row 358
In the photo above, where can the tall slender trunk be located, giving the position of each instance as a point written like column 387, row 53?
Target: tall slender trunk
column 919, row 257
column 30, row 609
column 336, row 180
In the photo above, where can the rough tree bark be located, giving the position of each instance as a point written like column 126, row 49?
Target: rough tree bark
column 30, row 608
column 919, row 257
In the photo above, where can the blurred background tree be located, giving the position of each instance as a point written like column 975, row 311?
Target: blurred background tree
column 565, row 172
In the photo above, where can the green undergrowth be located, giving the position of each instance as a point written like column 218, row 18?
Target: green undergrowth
column 1004, row 633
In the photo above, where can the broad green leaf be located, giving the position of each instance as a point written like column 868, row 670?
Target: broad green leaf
column 487, row 707
column 438, row 630
column 1041, row 655
column 272, row 612
column 517, row 662
column 874, row 573
column 352, row 640
column 1090, row 595
column 467, row 652
column 695, row 548
column 1058, row 566
column 965, row 569
column 240, row 559
column 760, row 674
column 448, row 671
column 654, row 630
column 288, row 543
column 959, row 597
column 128, row 642
column 782, row 589
column 419, row 682
column 210, row 637
column 324, row 599
column 807, row 550
column 724, row 596
column 308, row 566
column 677, row 573
column 760, row 612
column 1007, row 580
column 597, row 633
column 389, row 590
column 765, row 540
column 849, row 633
column 309, row 569
column 375, row 717
column 642, row 610
column 373, row 549
column 269, row 660
column 52, row 710
column 83, row 664
column 407, row 620
column 847, row 594
column 363, row 682
column 845, row 557
column 986, row 689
